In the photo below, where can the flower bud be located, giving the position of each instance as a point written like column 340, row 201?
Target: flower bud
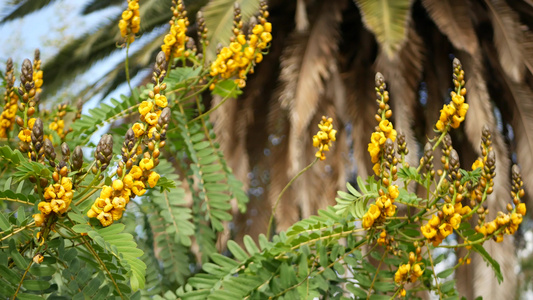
column 77, row 158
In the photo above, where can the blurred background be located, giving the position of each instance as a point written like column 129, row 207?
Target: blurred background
column 322, row 61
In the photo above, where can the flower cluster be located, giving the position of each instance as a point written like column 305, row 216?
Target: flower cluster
column 111, row 203
column 58, row 125
column 130, row 23
column 58, row 197
column 442, row 224
column 244, row 52
column 409, row 272
column 507, row 223
column 176, row 39
column 28, row 106
column 135, row 175
column 454, row 113
column 385, row 129
column 37, row 72
column 7, row 118
column 384, row 207
column 324, row 137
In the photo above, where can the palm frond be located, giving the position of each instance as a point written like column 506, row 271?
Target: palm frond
column 25, row 8
column 96, row 5
column 388, row 20
column 508, row 38
column 452, row 17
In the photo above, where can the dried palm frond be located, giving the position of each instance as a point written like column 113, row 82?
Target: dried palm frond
column 452, row 17
column 507, row 37
column 306, row 64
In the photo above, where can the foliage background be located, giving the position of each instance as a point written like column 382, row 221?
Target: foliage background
column 308, row 31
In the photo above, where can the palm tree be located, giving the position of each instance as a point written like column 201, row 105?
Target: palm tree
column 322, row 62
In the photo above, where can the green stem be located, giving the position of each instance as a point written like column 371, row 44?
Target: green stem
column 281, row 194
column 127, row 66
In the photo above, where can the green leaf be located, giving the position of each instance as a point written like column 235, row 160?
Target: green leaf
column 486, row 257
column 4, row 222
column 36, row 285
column 445, row 273
column 126, row 249
column 237, row 251
column 78, row 218
column 227, row 88
column 387, row 20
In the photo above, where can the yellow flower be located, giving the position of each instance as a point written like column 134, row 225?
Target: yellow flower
column 138, row 188
column 385, row 126
column 44, row 207
column 445, row 229
column 49, row 193
column 374, row 211
column 428, row 231
column 502, row 219
column 118, row 185
column 521, row 209
column 119, row 203
column 417, row 270
column 393, row 191
column 127, row 14
column 128, row 181
column 161, row 101
column 138, row 129
column 477, row 164
column 31, row 122
column 466, row 210
column 241, row 39
column 106, row 192
column 376, row 168
column 151, row 118
column 25, row 135
column 66, row 183
column 146, row 163
column 491, row 227
column 378, row 138
column 116, row 214
column 145, row 107
column 258, row 29
column 136, row 172
column 390, row 211
column 455, row 221
column 516, row 219
column 435, row 221
column 58, row 206
column 39, row 219
column 108, row 205
column 99, row 204
column 153, row 178
column 448, row 209
column 92, row 213
column 367, row 221
column 458, row 99
column 105, row 218
column 133, row 5
column 440, row 126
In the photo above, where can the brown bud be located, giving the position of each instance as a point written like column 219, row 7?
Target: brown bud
column 77, row 158
column 64, row 171
column 55, row 176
